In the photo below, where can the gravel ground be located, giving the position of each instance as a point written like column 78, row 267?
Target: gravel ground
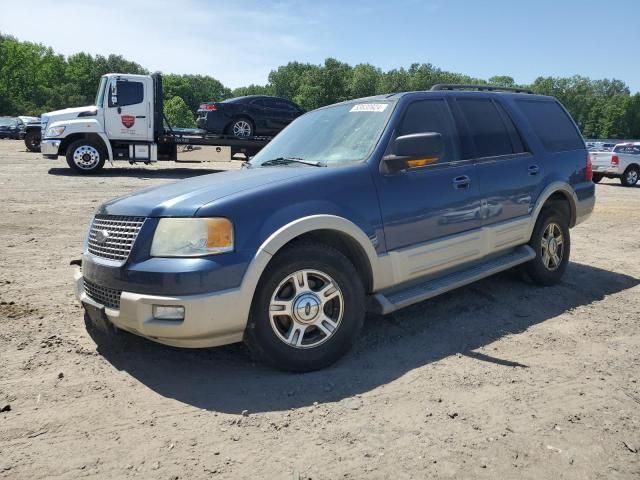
column 496, row 380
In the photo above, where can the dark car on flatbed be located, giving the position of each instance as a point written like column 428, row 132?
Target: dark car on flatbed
column 248, row 116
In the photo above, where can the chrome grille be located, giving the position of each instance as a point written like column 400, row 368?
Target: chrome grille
column 112, row 236
column 109, row 297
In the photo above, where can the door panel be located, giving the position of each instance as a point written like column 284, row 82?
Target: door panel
column 433, row 201
column 127, row 111
column 426, row 204
column 507, row 173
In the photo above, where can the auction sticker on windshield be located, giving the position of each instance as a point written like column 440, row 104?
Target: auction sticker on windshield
column 369, row 107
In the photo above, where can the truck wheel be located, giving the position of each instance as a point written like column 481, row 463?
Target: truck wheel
column 85, row 156
column 308, row 309
column 630, row 176
column 552, row 244
column 241, row 127
column 597, row 178
column 32, row 141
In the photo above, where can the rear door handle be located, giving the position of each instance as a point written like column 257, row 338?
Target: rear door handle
column 534, row 169
column 462, row 181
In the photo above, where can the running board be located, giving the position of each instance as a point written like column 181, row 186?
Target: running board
column 394, row 299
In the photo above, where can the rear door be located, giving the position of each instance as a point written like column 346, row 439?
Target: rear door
column 508, row 173
column 127, row 115
column 436, row 200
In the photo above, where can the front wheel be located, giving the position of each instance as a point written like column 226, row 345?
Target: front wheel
column 552, row 244
column 85, row 156
column 308, row 309
column 32, row 141
column 630, row 176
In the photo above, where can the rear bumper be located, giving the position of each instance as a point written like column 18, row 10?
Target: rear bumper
column 50, row 148
column 210, row 319
column 607, row 170
column 585, row 201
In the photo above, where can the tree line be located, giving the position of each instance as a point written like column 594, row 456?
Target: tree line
column 34, row 79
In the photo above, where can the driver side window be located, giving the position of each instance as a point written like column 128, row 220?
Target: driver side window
column 424, row 116
column 127, row 93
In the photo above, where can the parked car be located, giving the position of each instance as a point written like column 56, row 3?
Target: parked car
column 623, row 163
column 367, row 205
column 252, row 115
column 31, row 132
column 11, row 127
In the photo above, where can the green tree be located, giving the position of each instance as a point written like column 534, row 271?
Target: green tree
column 178, row 114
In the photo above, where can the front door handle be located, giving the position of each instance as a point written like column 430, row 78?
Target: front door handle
column 462, row 181
column 533, row 169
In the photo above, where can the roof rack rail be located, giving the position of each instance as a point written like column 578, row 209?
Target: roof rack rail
column 487, row 88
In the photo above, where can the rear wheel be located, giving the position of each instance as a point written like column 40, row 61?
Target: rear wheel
column 241, row 127
column 85, row 156
column 308, row 309
column 32, row 141
column 597, row 178
column 630, row 176
column 552, row 244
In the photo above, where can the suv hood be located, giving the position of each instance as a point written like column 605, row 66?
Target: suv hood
column 184, row 198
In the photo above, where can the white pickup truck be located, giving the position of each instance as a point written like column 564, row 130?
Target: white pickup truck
column 622, row 162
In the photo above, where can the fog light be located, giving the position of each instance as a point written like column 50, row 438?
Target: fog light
column 168, row 312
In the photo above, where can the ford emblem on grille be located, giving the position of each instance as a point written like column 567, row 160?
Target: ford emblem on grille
column 102, row 236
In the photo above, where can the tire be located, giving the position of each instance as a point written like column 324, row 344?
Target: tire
column 242, row 127
column 547, row 269
column 85, row 156
column 319, row 332
column 32, row 141
column 597, row 178
column 630, row 176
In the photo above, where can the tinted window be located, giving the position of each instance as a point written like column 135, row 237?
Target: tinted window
column 129, row 93
column 486, row 127
column 552, row 124
column 431, row 116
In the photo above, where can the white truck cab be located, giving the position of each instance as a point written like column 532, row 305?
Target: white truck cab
column 126, row 123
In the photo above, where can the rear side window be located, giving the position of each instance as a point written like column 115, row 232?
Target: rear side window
column 425, row 116
column 629, row 149
column 491, row 130
column 552, row 125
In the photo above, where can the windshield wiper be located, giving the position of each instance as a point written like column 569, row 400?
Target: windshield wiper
column 287, row 160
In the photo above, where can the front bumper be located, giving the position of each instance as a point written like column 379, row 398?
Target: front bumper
column 50, row 148
column 210, row 319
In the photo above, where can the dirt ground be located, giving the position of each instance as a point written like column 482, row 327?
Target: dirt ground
column 497, row 380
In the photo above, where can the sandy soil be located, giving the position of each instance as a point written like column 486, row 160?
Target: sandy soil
column 497, row 380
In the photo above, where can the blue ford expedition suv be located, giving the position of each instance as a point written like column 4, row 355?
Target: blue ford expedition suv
column 367, row 205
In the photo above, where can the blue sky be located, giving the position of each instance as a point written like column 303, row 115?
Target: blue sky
column 240, row 42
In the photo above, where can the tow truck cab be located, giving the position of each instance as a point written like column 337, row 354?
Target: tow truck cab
column 125, row 123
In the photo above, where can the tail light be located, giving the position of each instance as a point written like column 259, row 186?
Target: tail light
column 207, row 107
column 615, row 161
column 589, row 170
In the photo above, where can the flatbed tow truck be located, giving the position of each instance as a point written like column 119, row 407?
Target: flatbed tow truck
column 127, row 123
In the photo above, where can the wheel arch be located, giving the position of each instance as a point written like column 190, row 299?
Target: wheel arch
column 96, row 137
column 560, row 195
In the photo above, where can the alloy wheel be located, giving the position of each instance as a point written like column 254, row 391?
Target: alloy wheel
column 552, row 246
column 306, row 309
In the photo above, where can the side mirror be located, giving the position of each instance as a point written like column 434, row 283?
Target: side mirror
column 412, row 151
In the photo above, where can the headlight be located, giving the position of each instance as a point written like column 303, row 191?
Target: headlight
column 54, row 131
column 192, row 237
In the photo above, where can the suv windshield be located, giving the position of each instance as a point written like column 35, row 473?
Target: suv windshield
column 335, row 135
column 100, row 94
